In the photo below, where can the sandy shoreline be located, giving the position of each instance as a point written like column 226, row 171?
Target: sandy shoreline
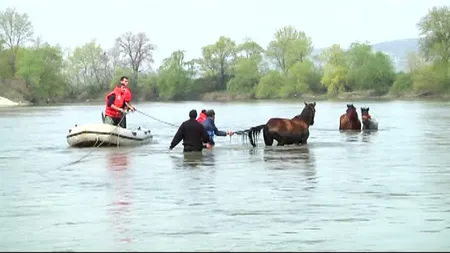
column 4, row 102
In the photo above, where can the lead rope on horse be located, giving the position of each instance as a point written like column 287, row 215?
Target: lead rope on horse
column 243, row 133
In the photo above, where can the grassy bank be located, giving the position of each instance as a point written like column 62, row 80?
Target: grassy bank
column 224, row 97
column 346, row 96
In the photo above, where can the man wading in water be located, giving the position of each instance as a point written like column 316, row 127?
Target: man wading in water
column 193, row 135
column 211, row 128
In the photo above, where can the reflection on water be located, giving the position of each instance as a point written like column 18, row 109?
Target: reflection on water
column 299, row 158
column 118, row 170
column 369, row 135
column 350, row 136
column 191, row 160
column 294, row 153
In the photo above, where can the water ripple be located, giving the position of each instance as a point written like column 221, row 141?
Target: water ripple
column 368, row 191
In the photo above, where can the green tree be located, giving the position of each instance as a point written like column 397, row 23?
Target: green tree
column 302, row 79
column 269, row 85
column 41, row 68
column 15, row 30
column 435, row 46
column 6, row 71
column 89, row 69
column 246, row 72
column 403, row 83
column 218, row 60
column 369, row 70
column 289, row 47
column 434, row 29
column 174, row 80
column 335, row 76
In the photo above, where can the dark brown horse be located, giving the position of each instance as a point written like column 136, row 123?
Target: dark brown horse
column 286, row 131
column 350, row 120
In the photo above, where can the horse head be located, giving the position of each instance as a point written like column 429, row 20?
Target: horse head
column 365, row 113
column 308, row 113
column 366, row 118
column 351, row 112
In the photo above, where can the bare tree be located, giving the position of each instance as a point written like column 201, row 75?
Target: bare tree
column 113, row 55
column 137, row 49
column 37, row 42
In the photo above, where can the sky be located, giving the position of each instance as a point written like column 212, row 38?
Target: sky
column 191, row 24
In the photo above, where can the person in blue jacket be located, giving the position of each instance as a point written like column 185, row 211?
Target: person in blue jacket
column 211, row 128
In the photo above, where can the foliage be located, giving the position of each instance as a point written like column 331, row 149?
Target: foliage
column 285, row 68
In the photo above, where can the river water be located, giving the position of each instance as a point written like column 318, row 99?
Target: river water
column 378, row 191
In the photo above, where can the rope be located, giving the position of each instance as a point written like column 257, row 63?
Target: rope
column 243, row 134
column 162, row 121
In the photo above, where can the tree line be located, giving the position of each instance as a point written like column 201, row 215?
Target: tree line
column 285, row 68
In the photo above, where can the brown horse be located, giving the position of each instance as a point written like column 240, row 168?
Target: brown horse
column 350, row 120
column 286, row 131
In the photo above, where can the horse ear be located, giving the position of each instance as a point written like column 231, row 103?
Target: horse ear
column 368, row 108
column 314, row 104
column 305, row 103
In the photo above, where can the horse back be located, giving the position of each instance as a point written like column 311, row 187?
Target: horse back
column 286, row 125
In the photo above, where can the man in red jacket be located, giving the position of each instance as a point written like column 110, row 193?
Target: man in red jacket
column 115, row 104
column 127, row 95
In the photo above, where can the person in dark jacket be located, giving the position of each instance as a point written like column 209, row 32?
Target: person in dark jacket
column 211, row 128
column 192, row 133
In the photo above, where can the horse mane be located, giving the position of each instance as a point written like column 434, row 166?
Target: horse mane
column 306, row 114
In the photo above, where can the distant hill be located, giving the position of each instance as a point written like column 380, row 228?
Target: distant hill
column 398, row 50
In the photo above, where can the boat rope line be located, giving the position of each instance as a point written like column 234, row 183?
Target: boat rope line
column 240, row 132
column 162, row 121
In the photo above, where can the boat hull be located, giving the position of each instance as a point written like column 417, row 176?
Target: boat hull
column 100, row 134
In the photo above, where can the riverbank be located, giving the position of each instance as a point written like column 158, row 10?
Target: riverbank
column 347, row 96
column 225, row 97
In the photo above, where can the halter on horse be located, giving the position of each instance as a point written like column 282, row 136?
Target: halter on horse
column 367, row 122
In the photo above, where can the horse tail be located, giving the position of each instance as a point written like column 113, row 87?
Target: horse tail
column 253, row 134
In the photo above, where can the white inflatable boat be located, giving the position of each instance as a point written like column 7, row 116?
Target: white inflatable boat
column 100, row 134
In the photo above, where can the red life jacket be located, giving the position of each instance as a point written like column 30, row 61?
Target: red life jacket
column 118, row 101
column 202, row 117
column 127, row 94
